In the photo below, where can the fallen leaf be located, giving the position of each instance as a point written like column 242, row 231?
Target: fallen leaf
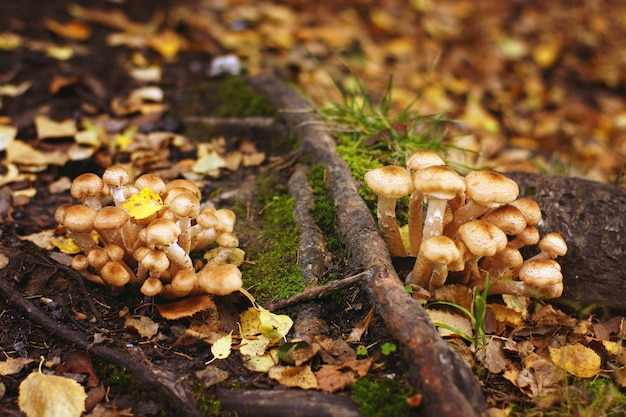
column 66, row 245
column 143, row 204
column 222, row 346
column 492, row 357
column 261, row 363
column 20, row 153
column 12, row 90
column 506, row 315
column 211, row 375
column 294, row 376
column 186, row 307
column 450, row 324
column 167, row 43
column 254, row 347
column 10, row 41
column 360, row 328
column 72, row 29
column 48, row 128
column 576, row 359
column 42, row 239
column 79, row 363
column 11, row 366
column 143, row 325
column 51, row 396
column 7, row 135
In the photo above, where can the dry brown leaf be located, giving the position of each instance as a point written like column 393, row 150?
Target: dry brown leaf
column 538, row 378
column 51, row 396
column 335, row 351
column 294, row 376
column 79, row 363
column 143, row 325
column 42, row 239
column 331, row 378
column 186, row 307
column 360, row 328
column 492, row 357
column 11, row 366
column 48, row 128
column 211, row 375
column 73, row 29
column 460, row 324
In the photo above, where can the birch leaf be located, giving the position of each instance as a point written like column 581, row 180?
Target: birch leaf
column 143, row 204
column 51, row 396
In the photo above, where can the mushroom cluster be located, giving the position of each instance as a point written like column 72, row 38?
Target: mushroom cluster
column 471, row 230
column 151, row 249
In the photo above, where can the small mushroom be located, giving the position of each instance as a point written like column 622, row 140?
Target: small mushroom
column 538, row 277
column 486, row 190
column 116, row 177
column 182, row 284
column 151, row 287
column 163, row 234
column 551, row 246
column 219, row 279
column 88, row 189
column 529, row 208
column 528, row 236
column 78, row 220
column 81, row 264
column 441, row 251
column 109, row 223
column 507, row 218
column 482, row 239
column 227, row 242
column 439, row 184
column 420, row 159
column 185, row 206
column 114, row 274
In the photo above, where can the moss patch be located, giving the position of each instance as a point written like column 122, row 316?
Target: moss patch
column 323, row 210
column 384, row 397
column 274, row 271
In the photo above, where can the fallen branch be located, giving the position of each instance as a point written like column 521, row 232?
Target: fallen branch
column 446, row 382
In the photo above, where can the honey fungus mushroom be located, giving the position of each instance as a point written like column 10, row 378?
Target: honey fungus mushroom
column 390, row 183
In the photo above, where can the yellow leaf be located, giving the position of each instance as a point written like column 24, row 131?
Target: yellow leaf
column 221, row 348
column 51, row 396
column 10, row 41
column 143, row 204
column 250, row 322
column 66, row 245
column 261, row 363
column 274, row 326
column 254, row 347
column 577, row 360
column 60, row 53
column 294, row 376
column 12, row 366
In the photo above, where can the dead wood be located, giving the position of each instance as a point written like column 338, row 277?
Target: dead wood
column 287, row 403
column 446, row 382
column 590, row 215
column 163, row 382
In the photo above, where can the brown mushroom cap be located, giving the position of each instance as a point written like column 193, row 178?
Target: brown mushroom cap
column 225, row 220
column 508, row 218
column 114, row 274
column 390, row 181
column 482, row 238
column 529, row 208
column 528, row 236
column 490, row 189
column 541, row 273
column 97, row 258
column 115, row 176
column 151, row 287
column 161, row 232
column 87, row 186
column 553, row 245
column 438, row 182
column 440, row 249
column 110, row 218
column 423, row 158
column 219, row 279
column 151, row 181
column 182, row 183
column 185, row 204
column 227, row 240
column 79, row 218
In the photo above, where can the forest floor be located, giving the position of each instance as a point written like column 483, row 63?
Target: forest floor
column 524, row 86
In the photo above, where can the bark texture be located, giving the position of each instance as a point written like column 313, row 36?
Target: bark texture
column 446, row 382
column 591, row 217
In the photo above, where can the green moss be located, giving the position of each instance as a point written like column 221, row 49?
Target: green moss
column 120, row 380
column 239, row 99
column 381, row 398
column 210, row 406
column 323, row 210
column 274, row 271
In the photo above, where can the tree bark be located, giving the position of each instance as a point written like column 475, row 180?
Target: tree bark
column 591, row 218
column 446, row 382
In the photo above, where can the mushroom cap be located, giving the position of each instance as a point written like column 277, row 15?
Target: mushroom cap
column 440, row 249
column 86, row 185
column 185, row 205
column 161, row 232
column 110, row 218
column 439, row 182
column 97, row 258
column 155, row 261
column 206, row 220
column 220, row 279
column 151, row 181
column 184, row 281
column 115, row 176
column 482, row 238
column 508, row 218
column 79, row 262
column 151, row 287
column 390, row 181
column 79, row 218
column 227, row 240
column 553, row 244
column 114, row 252
column 114, row 274
column 423, row 158
column 541, row 273
column 528, row 236
column 509, row 257
column 552, row 291
column 490, row 189
column 182, row 183
column 225, row 220
column 529, row 208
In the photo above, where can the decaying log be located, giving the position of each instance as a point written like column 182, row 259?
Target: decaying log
column 591, row 217
column 291, row 403
column 446, row 382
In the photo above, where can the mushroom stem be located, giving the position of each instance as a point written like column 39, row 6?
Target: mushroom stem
column 389, row 228
column 433, row 224
column 422, row 269
column 438, row 276
column 415, row 221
